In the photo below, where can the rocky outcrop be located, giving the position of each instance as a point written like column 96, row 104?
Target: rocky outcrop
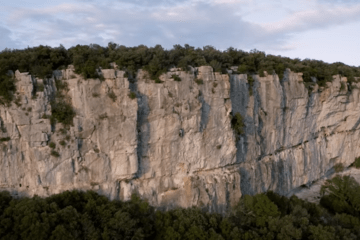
column 173, row 144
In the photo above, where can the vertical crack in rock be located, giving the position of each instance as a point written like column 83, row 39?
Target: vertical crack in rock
column 239, row 96
column 205, row 111
column 283, row 106
column 143, row 129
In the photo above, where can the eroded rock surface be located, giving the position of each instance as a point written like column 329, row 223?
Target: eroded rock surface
column 173, row 144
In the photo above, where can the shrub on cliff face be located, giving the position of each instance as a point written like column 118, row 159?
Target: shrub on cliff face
column 357, row 162
column 62, row 112
column 112, row 95
column 237, row 123
column 132, row 95
column 251, row 84
column 199, row 81
column 7, row 89
column 339, row 167
column 176, row 77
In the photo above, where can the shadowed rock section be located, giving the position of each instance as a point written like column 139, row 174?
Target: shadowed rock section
column 174, row 144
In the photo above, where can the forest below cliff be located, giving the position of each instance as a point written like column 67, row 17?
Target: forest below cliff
column 87, row 215
column 42, row 60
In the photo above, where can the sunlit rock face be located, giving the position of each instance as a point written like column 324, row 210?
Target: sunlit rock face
column 173, row 144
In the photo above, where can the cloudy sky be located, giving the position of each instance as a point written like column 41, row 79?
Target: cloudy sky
column 327, row 30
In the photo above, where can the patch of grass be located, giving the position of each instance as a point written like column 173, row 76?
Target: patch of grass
column 176, row 77
column 132, row 95
column 339, row 167
column 62, row 143
column 5, row 139
column 55, row 153
column 44, row 116
column 95, row 95
column 52, row 145
column 67, row 137
column 218, row 146
column 199, row 81
column 112, row 96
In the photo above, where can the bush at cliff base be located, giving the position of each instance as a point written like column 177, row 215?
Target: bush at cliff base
column 87, row 215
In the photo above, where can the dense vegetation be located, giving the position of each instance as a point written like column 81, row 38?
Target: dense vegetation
column 40, row 61
column 87, row 215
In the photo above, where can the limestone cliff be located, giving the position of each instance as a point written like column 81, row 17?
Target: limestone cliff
column 173, row 144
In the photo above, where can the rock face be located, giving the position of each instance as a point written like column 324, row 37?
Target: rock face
column 173, row 144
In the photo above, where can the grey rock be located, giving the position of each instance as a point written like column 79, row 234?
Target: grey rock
column 174, row 144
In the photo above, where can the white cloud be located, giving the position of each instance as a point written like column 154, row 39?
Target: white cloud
column 315, row 19
column 222, row 23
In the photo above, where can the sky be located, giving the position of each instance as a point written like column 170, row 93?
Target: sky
column 327, row 30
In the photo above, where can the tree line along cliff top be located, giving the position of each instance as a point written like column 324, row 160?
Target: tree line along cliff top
column 42, row 60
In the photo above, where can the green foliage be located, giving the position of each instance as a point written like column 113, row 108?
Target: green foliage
column 342, row 86
column 52, row 145
column 41, row 61
column 62, row 143
column 112, row 95
column 54, row 153
column 341, row 194
column 237, row 123
column 251, row 84
column 157, row 80
column 176, row 77
column 357, row 162
column 199, row 81
column 339, row 167
column 63, row 112
column 87, row 215
column 103, row 116
column 40, row 87
column 132, row 95
column 7, row 89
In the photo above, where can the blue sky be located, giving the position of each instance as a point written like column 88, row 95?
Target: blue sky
column 327, row 30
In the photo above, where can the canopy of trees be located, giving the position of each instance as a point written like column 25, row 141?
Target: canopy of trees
column 41, row 60
column 87, row 215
